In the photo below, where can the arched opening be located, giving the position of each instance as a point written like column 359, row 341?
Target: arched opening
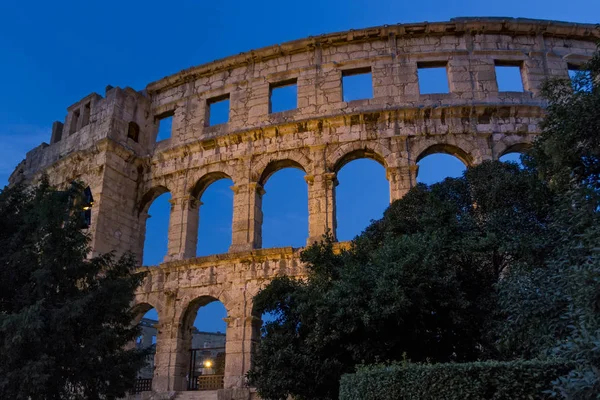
column 362, row 195
column 266, row 318
column 215, row 214
column 204, row 335
column 513, row 158
column 266, row 323
column 156, row 223
column 513, row 153
column 284, row 205
column 262, row 320
column 439, row 162
column 437, row 167
column 147, row 320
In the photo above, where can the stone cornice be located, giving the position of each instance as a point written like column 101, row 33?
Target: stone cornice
column 227, row 259
column 388, row 115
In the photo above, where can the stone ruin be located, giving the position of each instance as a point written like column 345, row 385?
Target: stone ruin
column 110, row 143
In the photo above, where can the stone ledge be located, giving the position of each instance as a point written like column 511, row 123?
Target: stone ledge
column 256, row 255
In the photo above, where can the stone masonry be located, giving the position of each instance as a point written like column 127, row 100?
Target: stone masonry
column 110, row 144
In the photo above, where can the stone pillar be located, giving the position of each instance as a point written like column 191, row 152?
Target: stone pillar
column 171, row 361
column 321, row 205
column 161, row 374
column 138, row 247
column 183, row 228
column 484, row 74
column 242, row 334
column 401, row 179
column 247, row 217
column 57, row 131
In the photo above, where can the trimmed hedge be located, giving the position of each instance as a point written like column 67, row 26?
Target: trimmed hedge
column 478, row 380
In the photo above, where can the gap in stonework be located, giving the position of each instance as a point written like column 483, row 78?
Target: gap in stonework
column 362, row 195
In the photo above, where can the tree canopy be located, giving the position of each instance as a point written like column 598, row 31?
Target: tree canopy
column 64, row 316
column 555, row 310
column 419, row 283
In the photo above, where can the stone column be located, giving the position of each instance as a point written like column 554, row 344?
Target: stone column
column 321, row 205
column 171, row 361
column 162, row 370
column 183, row 228
column 247, row 217
column 138, row 247
column 242, row 336
column 401, row 179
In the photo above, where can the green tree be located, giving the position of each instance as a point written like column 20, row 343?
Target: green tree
column 419, row 283
column 64, row 316
column 555, row 310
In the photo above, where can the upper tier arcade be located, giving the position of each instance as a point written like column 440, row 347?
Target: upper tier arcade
column 110, row 144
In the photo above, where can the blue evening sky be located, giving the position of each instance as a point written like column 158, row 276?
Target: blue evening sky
column 57, row 52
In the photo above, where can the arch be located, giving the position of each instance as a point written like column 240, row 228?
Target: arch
column 149, row 197
column 205, row 181
column 358, row 154
column 189, row 310
column 362, row 195
column 267, row 164
column 449, row 149
column 214, row 213
column 153, row 235
column 345, row 153
column 188, row 316
column 435, row 168
column 284, row 206
column 203, row 351
column 520, row 148
column 278, row 165
column 512, row 143
column 139, row 309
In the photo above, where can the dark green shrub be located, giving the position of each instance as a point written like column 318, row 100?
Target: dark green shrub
column 453, row 381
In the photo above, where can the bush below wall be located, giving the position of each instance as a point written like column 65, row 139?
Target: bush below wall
column 461, row 381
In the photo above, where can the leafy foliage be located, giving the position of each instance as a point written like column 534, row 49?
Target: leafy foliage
column 556, row 310
column 419, row 282
column 478, row 380
column 568, row 151
column 64, row 317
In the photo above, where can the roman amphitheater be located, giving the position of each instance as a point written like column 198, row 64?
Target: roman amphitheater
column 110, row 143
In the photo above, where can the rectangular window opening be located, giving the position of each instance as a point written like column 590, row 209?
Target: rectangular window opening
column 218, row 110
column 580, row 78
column 74, row 122
column 153, row 339
column 433, row 77
column 508, row 76
column 86, row 115
column 357, row 84
column 283, row 96
column 165, row 125
column 133, row 131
